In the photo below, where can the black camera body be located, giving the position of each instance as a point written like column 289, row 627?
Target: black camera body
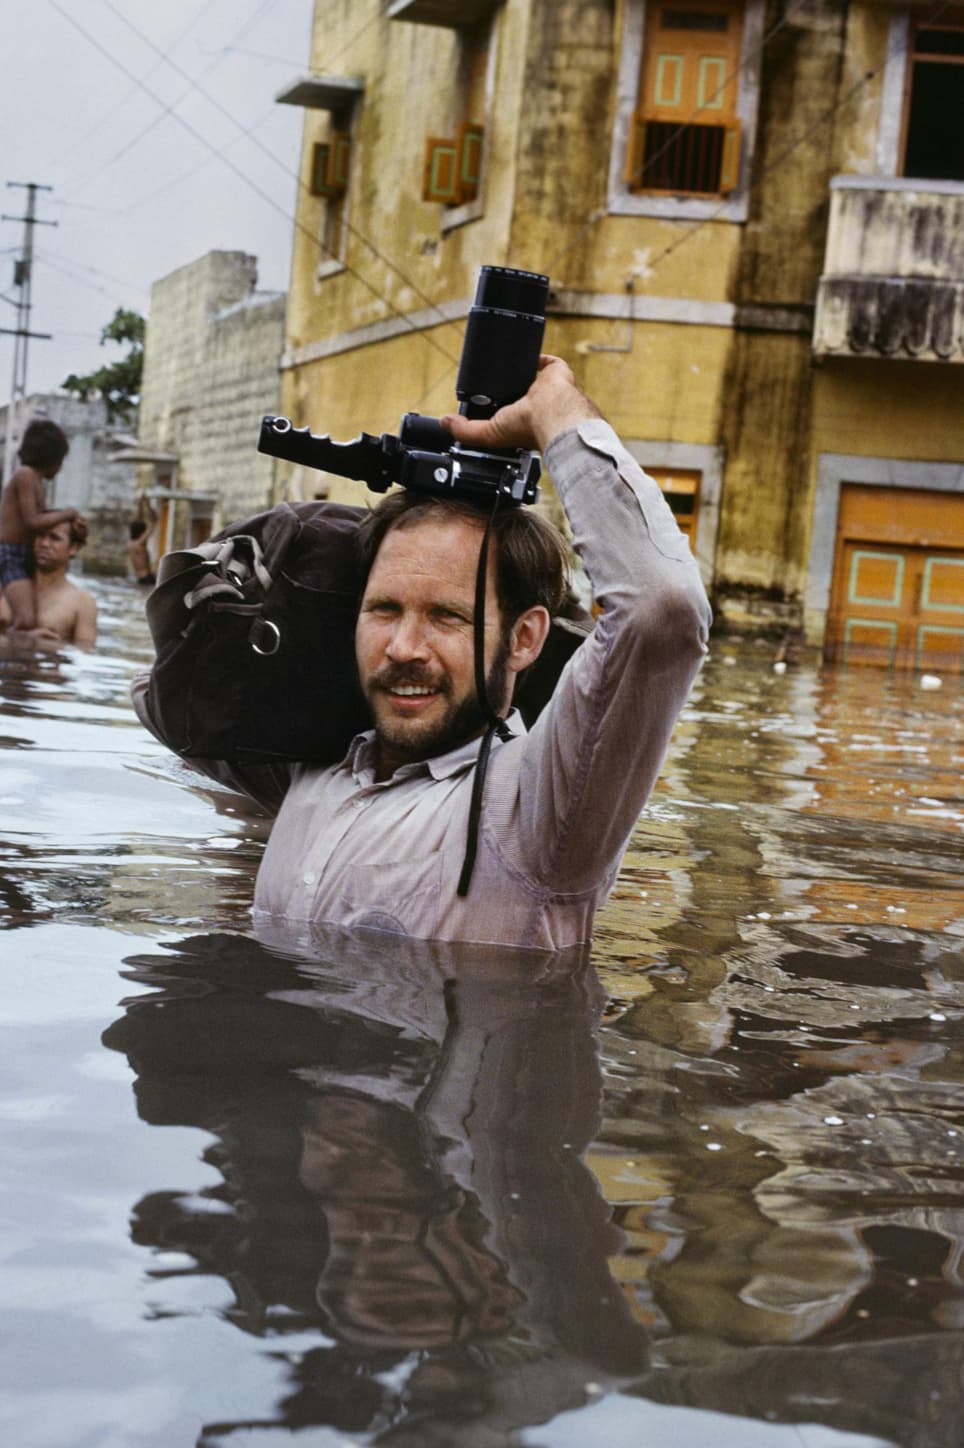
column 500, row 358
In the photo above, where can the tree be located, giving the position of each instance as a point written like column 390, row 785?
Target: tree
column 119, row 383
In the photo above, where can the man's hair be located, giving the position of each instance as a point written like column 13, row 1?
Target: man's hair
column 531, row 557
column 138, row 528
column 44, row 445
column 75, row 535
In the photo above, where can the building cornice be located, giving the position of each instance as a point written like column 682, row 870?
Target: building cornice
column 608, row 306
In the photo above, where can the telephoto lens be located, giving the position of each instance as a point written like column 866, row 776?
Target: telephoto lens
column 503, row 340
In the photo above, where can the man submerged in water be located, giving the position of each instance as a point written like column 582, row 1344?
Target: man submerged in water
column 378, row 840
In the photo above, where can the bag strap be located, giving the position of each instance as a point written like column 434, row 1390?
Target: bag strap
column 229, row 574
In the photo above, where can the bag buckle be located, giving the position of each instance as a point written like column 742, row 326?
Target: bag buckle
column 264, row 637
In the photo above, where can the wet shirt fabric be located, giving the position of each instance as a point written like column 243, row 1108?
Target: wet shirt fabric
column 560, row 801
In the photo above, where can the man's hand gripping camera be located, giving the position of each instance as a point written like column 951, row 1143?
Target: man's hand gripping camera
column 500, row 356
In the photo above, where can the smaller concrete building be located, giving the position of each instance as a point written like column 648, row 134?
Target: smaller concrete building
column 210, row 371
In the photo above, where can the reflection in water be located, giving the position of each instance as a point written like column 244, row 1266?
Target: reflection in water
column 785, row 1062
column 798, row 1172
column 371, row 1190
column 398, row 1135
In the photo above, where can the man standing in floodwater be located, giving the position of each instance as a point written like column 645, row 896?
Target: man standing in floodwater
column 24, row 514
column 66, row 614
column 141, row 532
column 378, row 840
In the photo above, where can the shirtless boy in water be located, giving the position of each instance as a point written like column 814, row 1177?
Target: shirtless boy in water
column 24, row 514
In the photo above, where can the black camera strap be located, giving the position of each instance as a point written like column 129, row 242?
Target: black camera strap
column 494, row 722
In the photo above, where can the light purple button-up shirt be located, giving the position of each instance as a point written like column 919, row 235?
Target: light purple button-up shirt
column 560, row 801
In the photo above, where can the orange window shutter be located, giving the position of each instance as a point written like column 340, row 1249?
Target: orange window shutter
column 329, row 167
column 340, row 160
column 319, row 169
column 635, row 152
column 470, row 160
column 441, row 177
column 730, row 166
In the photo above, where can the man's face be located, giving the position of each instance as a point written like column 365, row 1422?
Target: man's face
column 414, row 640
column 52, row 549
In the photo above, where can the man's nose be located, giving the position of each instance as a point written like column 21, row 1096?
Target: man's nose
column 407, row 640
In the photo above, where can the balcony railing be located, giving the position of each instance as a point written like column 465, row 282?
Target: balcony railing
column 893, row 279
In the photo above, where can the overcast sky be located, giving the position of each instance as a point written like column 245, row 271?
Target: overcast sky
column 140, row 115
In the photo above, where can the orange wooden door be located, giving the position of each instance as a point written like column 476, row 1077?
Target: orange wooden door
column 901, row 608
column 898, row 594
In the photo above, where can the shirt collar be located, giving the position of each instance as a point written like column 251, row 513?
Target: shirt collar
column 360, row 758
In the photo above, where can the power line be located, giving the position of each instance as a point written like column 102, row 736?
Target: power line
column 222, row 110
column 252, row 128
column 163, row 58
column 255, row 55
column 87, row 206
column 429, row 339
column 71, row 268
column 119, row 105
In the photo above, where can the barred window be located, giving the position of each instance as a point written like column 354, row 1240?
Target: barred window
column 685, row 134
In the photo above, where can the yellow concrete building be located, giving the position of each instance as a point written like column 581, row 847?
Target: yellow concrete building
column 751, row 217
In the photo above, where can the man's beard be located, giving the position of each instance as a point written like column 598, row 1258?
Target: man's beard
column 465, row 720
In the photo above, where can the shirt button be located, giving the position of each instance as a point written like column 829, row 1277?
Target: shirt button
column 309, row 877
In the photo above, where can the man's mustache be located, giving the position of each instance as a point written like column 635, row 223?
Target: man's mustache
column 394, row 676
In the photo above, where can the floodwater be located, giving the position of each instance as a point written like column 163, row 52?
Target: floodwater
column 707, row 1186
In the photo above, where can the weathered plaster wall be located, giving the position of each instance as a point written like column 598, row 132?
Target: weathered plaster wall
column 241, row 384
column 210, row 372
column 765, row 414
column 182, row 306
column 886, row 408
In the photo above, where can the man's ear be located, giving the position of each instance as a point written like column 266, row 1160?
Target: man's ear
column 528, row 634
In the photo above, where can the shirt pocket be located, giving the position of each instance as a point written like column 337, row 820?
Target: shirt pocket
column 398, row 895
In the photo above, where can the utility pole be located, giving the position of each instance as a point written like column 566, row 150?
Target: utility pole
column 22, row 276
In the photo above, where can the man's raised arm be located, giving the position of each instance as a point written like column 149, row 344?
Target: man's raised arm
column 594, row 754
